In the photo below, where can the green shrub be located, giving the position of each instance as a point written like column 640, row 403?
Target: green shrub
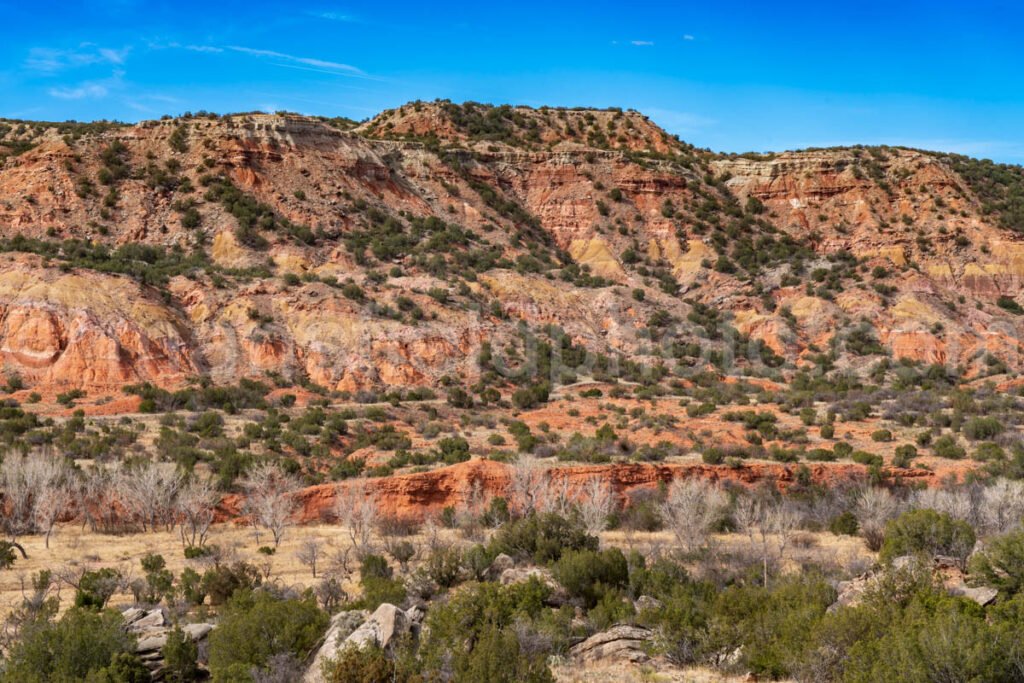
column 1000, row 563
column 588, row 575
column 180, row 658
column 768, row 627
column 844, row 524
column 256, row 626
column 881, row 435
column 946, row 447
column 926, row 531
column 865, row 458
column 842, row 449
column 989, row 452
column 904, row 455
column 471, row 637
column 95, row 588
column 369, row 664
column 541, row 537
column 81, row 642
column 444, row 566
column 981, row 428
column 222, row 581
column 7, row 556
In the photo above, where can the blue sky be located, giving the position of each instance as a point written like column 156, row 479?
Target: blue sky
column 732, row 76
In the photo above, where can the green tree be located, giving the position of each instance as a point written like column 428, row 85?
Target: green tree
column 180, row 658
column 256, row 625
column 588, row 575
column 1000, row 563
column 926, row 531
column 81, row 642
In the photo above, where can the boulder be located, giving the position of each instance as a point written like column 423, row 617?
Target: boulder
column 520, row 574
column 384, row 625
column 342, row 626
column 499, row 566
column 558, row 595
column 153, row 619
column 621, row 642
column 132, row 614
column 983, row 595
column 646, row 602
column 945, row 569
column 197, row 631
column 153, row 643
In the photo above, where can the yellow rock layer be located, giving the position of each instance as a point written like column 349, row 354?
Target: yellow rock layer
column 594, row 252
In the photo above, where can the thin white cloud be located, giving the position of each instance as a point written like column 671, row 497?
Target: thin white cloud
column 642, row 43
column 81, row 92
column 50, row 61
column 204, row 48
column 688, row 37
column 332, row 16
column 115, row 56
column 308, row 61
column 94, row 90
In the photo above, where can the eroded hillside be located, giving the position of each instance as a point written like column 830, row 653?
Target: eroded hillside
column 385, row 255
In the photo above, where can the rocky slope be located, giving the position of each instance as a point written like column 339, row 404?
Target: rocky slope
column 384, row 256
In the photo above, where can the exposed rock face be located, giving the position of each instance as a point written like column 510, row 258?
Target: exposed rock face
column 422, row 494
column 151, row 629
column 945, row 569
column 342, row 626
column 385, row 625
column 620, row 642
column 609, row 191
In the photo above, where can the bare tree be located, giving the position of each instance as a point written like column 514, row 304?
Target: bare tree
column 340, row 561
column 874, row 508
column 470, row 509
column 91, row 497
column 596, row 504
column 309, row 553
column 769, row 527
column 33, row 491
column 51, row 503
column 330, row 594
column 357, row 511
column 956, row 503
column 1002, row 506
column 557, row 497
column 149, row 490
column 529, row 484
column 270, row 499
column 691, row 509
column 194, row 509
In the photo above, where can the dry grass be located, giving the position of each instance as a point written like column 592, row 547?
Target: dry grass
column 73, row 546
column 653, row 672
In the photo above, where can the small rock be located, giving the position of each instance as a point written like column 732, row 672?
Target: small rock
column 416, row 614
column 646, row 602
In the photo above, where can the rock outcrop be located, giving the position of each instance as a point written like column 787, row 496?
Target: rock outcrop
column 621, row 642
column 945, row 570
column 151, row 629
